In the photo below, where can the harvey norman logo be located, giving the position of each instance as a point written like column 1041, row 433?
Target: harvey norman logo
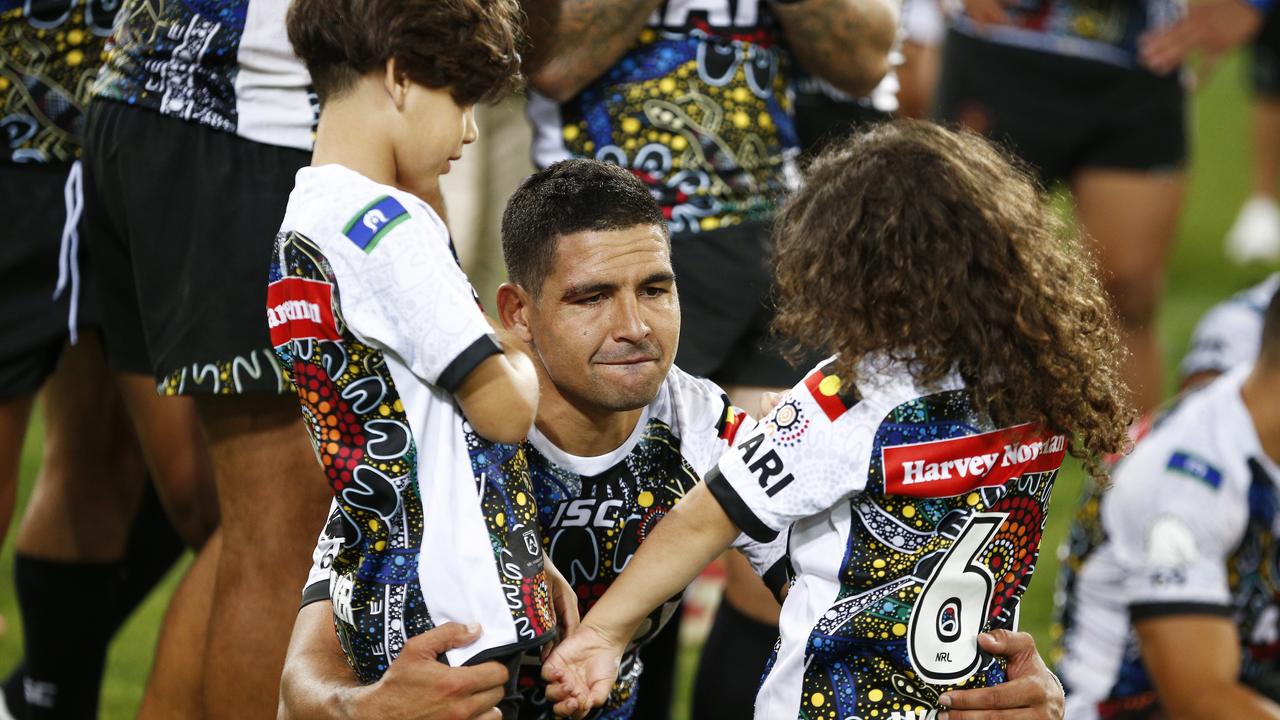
column 300, row 309
column 944, row 468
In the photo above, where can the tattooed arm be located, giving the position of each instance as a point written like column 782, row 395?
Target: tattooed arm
column 845, row 42
column 581, row 40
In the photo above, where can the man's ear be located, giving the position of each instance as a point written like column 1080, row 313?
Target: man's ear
column 514, row 304
column 395, row 83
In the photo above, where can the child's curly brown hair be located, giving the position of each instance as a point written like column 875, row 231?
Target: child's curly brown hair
column 932, row 246
column 471, row 47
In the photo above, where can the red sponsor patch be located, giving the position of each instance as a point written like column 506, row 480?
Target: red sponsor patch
column 945, row 468
column 300, row 309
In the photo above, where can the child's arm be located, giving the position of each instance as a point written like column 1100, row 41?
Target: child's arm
column 581, row 671
column 500, row 396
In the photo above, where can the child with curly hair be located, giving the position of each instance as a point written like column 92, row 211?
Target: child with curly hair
column 972, row 349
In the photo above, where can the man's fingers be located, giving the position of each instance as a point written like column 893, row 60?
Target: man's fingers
column 433, row 643
column 481, row 678
column 1020, row 693
column 1165, row 50
column 483, row 704
column 565, row 708
column 490, row 714
column 1007, row 643
column 1007, row 714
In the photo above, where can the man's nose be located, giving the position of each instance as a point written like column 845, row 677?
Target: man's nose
column 630, row 324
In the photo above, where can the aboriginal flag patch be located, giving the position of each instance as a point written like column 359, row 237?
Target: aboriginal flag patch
column 830, row 392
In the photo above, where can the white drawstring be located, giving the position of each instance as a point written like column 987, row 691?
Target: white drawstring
column 69, row 253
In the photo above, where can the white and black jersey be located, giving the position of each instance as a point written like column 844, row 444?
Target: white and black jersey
column 912, row 524
column 1230, row 334
column 1189, row 526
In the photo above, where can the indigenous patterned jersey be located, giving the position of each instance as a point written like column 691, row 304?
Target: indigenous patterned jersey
column 1103, row 30
column 595, row 512
column 700, row 109
column 1230, row 334
column 1189, row 526
column 912, row 523
column 376, row 325
column 227, row 65
column 50, row 51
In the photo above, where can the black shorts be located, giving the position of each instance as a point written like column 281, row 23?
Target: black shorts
column 181, row 220
column 733, row 661
column 33, row 322
column 1061, row 113
column 1264, row 70
column 726, row 307
column 822, row 120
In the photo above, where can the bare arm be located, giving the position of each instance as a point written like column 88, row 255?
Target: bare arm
column 1194, row 661
column 845, row 42
column 581, row 671
column 317, row 684
column 500, row 396
column 581, row 40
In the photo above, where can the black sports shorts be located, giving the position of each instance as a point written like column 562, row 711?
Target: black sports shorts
column 1062, row 113
column 34, row 200
column 733, row 661
column 726, row 306
column 181, row 220
column 1264, row 70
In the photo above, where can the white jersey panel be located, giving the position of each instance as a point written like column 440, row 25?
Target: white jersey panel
column 1230, row 333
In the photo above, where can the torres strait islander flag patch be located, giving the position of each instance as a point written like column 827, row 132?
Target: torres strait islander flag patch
column 371, row 224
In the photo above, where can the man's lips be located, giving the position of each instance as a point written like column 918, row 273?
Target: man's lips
column 628, row 361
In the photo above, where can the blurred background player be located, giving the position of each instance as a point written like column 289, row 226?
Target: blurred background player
column 1228, row 335
column 1170, row 591
column 205, row 106
column 1088, row 94
column 1255, row 234
column 93, row 523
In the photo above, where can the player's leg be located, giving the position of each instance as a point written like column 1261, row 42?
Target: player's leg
column 1129, row 197
column 1255, row 234
column 73, row 535
column 273, row 496
column 923, row 27
column 178, row 690
column 1131, row 218
column 14, row 415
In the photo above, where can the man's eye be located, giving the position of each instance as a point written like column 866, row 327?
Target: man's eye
column 591, row 299
column 653, row 292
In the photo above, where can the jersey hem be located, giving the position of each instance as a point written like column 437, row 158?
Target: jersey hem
column 511, row 649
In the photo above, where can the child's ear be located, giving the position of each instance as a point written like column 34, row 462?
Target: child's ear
column 395, row 83
column 513, row 310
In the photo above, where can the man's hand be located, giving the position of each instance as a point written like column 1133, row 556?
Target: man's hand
column 1211, row 28
column 317, row 683
column 418, row 686
column 581, row 671
column 1030, row 693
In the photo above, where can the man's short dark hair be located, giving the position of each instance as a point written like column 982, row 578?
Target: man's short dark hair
column 471, row 47
column 569, row 197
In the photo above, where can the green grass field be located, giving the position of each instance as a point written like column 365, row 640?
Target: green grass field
column 1200, row 276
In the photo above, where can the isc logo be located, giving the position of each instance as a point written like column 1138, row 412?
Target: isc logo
column 586, row 512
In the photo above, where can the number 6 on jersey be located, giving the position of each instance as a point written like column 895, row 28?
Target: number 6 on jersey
column 948, row 615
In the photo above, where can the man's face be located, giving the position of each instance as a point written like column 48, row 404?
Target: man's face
column 607, row 320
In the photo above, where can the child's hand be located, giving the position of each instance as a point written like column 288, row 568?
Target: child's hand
column 581, row 671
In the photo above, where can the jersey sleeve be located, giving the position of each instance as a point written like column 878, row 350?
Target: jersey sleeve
column 327, row 546
column 401, row 290
column 1228, row 335
column 1173, row 530
column 811, row 451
